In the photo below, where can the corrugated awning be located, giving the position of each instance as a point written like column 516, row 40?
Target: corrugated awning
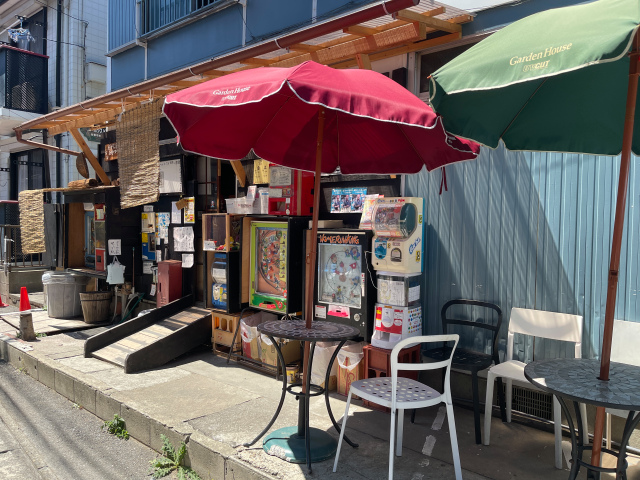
column 387, row 29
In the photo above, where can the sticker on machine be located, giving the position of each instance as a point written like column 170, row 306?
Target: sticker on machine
column 321, row 312
column 339, row 311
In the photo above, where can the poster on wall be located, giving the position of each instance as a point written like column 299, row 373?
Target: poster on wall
column 163, row 219
column 171, row 176
column 347, row 200
column 190, row 210
column 183, row 239
column 176, row 213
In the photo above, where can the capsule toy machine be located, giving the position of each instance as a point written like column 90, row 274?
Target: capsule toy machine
column 290, row 191
column 276, row 267
column 344, row 291
column 399, row 234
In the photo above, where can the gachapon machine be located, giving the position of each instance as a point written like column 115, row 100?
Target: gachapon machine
column 276, row 265
column 399, row 234
column 395, row 323
column 344, row 290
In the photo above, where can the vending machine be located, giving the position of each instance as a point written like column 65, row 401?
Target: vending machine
column 344, row 290
column 290, row 191
column 399, row 234
column 276, row 264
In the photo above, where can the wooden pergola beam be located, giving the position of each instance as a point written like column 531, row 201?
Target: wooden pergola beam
column 340, row 52
column 432, row 22
column 360, row 30
column 87, row 121
column 239, row 171
column 77, row 136
column 401, row 50
column 364, row 61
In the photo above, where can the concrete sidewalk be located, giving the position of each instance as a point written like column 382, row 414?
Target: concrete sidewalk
column 215, row 407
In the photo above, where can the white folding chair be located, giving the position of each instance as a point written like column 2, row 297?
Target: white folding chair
column 541, row 324
column 624, row 349
column 399, row 393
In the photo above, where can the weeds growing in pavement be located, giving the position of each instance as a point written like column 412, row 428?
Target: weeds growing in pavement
column 117, row 427
column 172, row 460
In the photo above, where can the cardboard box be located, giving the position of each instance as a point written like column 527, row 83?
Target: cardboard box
column 220, row 337
column 269, row 356
column 347, row 376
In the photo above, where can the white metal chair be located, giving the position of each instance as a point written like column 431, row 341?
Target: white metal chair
column 624, row 349
column 541, row 324
column 399, row 393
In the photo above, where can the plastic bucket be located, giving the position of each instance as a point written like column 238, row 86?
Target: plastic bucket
column 63, row 294
column 95, row 306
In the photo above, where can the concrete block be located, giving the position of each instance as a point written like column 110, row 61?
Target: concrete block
column 4, row 348
column 46, row 375
column 138, row 425
column 174, row 437
column 30, row 365
column 239, row 470
column 64, row 385
column 106, row 406
column 85, row 396
column 205, row 461
column 14, row 357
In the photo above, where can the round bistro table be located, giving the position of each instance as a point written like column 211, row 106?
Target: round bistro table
column 577, row 380
column 294, row 443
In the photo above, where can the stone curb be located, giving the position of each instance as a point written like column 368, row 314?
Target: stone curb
column 209, row 458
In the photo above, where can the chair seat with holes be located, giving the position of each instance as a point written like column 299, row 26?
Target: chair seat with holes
column 409, row 393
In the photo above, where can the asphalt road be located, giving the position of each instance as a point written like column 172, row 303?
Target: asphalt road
column 45, row 436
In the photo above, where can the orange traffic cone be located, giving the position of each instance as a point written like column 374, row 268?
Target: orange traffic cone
column 24, row 300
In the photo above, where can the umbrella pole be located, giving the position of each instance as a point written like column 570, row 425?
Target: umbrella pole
column 618, row 226
column 310, row 268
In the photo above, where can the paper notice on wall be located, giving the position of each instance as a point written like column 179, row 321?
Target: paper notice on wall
column 158, row 255
column 176, row 213
column 190, row 210
column 148, row 222
column 183, row 239
column 163, row 219
column 187, row 260
column 260, row 171
column 146, row 267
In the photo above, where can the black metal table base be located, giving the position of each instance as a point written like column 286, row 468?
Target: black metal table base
column 310, row 390
column 578, row 446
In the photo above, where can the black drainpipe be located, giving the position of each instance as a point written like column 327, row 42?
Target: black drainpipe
column 59, row 94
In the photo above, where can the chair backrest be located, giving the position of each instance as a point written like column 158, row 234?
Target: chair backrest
column 624, row 342
column 543, row 324
column 493, row 327
column 395, row 366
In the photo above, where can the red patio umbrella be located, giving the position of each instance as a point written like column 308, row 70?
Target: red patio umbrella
column 315, row 118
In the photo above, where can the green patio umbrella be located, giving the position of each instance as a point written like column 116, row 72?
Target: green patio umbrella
column 561, row 80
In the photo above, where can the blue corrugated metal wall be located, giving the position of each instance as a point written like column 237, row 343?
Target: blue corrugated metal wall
column 529, row 230
column 122, row 22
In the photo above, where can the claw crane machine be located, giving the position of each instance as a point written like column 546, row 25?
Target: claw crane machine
column 398, row 258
